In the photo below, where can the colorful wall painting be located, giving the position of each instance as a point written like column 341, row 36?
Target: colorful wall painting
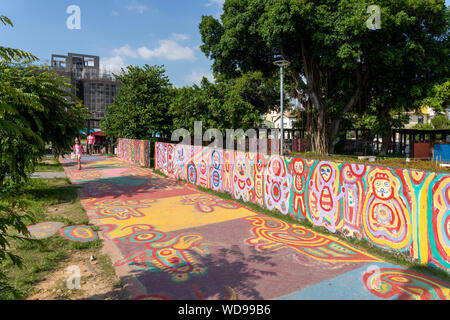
column 395, row 209
column 133, row 151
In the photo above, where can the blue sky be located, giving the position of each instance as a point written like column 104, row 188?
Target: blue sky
column 121, row 32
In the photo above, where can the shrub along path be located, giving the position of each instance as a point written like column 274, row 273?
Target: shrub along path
column 168, row 240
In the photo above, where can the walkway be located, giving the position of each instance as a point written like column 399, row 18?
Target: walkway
column 48, row 175
column 167, row 240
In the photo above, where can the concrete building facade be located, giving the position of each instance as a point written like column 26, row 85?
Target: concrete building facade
column 95, row 88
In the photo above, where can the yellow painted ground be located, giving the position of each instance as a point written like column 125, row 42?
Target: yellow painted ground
column 103, row 163
column 170, row 214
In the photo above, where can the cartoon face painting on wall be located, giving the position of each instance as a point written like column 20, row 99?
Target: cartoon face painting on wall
column 203, row 174
column 170, row 159
column 386, row 218
column 324, row 195
column 260, row 165
column 228, row 166
column 192, row 173
column 382, row 187
column 180, row 160
column 215, row 171
column 161, row 156
column 277, row 185
column 298, row 187
column 242, row 181
column 352, row 179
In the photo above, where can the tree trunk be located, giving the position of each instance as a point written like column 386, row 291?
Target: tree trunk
column 317, row 130
column 2, row 175
column 319, row 143
column 323, row 130
column 317, row 133
column 387, row 134
column 386, row 141
column 333, row 135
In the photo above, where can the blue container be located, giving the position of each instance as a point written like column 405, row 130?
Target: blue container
column 442, row 152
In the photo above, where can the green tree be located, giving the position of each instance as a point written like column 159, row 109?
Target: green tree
column 140, row 109
column 334, row 56
column 371, row 120
column 423, row 126
column 35, row 110
column 227, row 104
column 440, row 122
column 439, row 98
column 253, row 87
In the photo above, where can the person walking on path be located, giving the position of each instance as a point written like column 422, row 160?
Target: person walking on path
column 91, row 141
column 78, row 150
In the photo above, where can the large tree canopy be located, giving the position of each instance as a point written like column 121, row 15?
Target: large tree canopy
column 337, row 62
column 147, row 103
column 236, row 103
column 219, row 106
column 439, row 99
column 35, row 110
column 140, row 108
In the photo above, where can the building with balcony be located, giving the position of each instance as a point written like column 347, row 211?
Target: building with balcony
column 95, row 88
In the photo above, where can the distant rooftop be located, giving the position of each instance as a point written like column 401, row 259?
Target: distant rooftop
column 81, row 66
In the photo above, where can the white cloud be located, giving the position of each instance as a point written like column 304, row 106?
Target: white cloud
column 180, row 37
column 168, row 49
column 126, row 51
column 196, row 76
column 215, row 2
column 112, row 64
column 139, row 8
column 115, row 13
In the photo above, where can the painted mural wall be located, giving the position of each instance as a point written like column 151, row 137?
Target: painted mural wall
column 136, row 152
column 405, row 210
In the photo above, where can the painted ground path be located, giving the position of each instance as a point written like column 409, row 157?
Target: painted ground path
column 168, row 240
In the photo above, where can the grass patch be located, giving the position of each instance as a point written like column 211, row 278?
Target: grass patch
column 397, row 258
column 48, row 167
column 46, row 200
column 49, row 164
column 160, row 173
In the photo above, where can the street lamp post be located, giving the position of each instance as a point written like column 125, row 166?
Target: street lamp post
column 282, row 64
